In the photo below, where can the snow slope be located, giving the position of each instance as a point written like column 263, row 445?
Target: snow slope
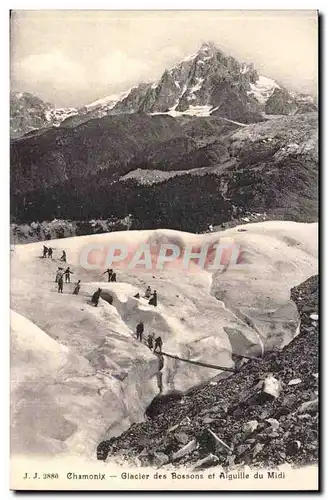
column 78, row 374
column 107, row 102
column 263, row 88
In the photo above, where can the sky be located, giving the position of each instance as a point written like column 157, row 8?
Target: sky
column 73, row 57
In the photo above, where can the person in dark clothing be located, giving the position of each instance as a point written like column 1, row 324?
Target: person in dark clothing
column 49, row 253
column 113, row 277
column 110, row 273
column 140, row 330
column 238, row 360
column 77, row 288
column 95, row 297
column 150, row 341
column 63, row 257
column 60, row 284
column 59, row 273
column 148, row 293
column 68, row 273
column 45, row 251
column 158, row 344
column 153, row 300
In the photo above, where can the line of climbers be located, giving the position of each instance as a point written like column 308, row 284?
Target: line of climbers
column 154, row 344
column 150, row 339
column 48, row 252
column 62, row 274
column 152, row 296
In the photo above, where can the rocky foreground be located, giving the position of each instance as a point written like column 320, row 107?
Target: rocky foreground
column 236, row 421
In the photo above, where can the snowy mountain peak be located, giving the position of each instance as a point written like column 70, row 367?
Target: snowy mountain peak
column 208, row 47
column 205, row 52
column 200, row 83
column 203, row 83
column 206, row 82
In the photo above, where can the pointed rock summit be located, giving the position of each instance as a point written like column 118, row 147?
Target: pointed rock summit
column 207, row 82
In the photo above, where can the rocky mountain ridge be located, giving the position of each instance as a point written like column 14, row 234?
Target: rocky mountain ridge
column 29, row 113
column 207, row 82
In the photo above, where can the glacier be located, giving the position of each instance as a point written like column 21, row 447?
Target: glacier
column 78, row 374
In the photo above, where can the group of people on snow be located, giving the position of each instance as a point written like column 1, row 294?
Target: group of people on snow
column 152, row 296
column 111, row 275
column 152, row 342
column 59, row 279
column 65, row 274
column 62, row 274
column 47, row 252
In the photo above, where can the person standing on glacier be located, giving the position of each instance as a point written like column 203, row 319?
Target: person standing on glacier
column 139, row 330
column 68, row 273
column 153, row 300
column 60, row 283
column 158, row 344
column 77, row 288
column 59, row 273
column 63, row 257
column 95, row 297
column 110, row 274
column 150, row 341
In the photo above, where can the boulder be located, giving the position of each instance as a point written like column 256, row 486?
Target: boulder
column 188, row 448
column 250, row 426
column 208, row 461
column 271, row 386
column 289, row 401
column 160, row 459
column 208, row 420
column 242, row 448
column 273, row 423
column 295, row 381
column 182, row 437
column 293, row 447
column 257, row 448
column 309, row 407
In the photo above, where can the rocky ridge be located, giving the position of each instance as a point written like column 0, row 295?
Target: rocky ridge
column 29, row 113
column 205, row 83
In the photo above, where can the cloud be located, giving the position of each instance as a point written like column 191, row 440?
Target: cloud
column 53, row 66
column 117, row 67
column 90, row 54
